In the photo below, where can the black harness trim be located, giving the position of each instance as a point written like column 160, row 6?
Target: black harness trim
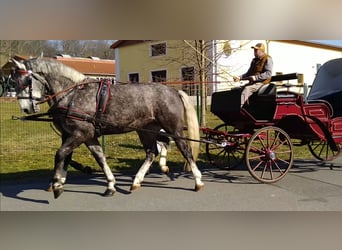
column 102, row 96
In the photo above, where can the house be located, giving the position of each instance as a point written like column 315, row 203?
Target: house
column 175, row 61
column 171, row 62
column 93, row 67
column 289, row 56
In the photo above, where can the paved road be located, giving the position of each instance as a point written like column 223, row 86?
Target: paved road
column 308, row 187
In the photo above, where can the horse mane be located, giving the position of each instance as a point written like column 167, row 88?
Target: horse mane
column 53, row 67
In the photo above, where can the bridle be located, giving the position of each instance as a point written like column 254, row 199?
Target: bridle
column 26, row 83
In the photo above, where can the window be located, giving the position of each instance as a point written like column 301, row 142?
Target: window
column 158, row 76
column 188, row 74
column 133, row 77
column 158, row 49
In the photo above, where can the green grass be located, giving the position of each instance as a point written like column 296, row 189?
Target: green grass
column 27, row 148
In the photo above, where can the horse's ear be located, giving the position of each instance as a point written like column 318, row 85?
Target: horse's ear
column 41, row 55
column 18, row 64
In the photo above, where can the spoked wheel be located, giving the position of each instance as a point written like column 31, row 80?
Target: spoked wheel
column 228, row 152
column 269, row 154
column 322, row 151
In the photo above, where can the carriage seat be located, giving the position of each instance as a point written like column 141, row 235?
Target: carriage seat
column 266, row 93
column 262, row 103
column 267, row 90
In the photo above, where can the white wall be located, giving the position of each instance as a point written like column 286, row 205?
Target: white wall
column 287, row 58
column 290, row 58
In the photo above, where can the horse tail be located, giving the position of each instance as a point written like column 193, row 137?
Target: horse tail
column 192, row 122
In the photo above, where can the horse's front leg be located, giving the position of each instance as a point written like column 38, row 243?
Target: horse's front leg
column 67, row 161
column 96, row 149
column 62, row 159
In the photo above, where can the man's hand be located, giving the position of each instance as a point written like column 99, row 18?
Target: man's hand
column 236, row 78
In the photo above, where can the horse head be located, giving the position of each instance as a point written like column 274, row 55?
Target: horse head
column 29, row 87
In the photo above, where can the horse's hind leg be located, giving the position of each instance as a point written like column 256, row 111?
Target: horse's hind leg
column 162, row 148
column 139, row 177
column 96, row 149
column 163, row 142
column 186, row 152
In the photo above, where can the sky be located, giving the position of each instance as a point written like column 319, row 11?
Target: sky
column 329, row 42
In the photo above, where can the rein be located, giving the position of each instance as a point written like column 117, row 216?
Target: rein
column 88, row 118
column 82, row 116
column 77, row 85
column 35, row 117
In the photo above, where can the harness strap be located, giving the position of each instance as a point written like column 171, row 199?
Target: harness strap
column 102, row 98
column 74, row 114
column 77, row 85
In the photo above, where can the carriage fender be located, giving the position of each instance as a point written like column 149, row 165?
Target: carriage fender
column 295, row 124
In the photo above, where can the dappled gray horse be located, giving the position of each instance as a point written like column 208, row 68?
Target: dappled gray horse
column 83, row 109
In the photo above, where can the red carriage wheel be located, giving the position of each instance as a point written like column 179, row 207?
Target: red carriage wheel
column 269, row 154
column 228, row 152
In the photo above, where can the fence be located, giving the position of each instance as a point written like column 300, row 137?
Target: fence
column 28, row 145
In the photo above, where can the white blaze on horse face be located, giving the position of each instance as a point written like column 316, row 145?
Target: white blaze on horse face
column 27, row 101
column 26, row 106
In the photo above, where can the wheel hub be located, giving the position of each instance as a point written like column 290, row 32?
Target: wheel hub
column 271, row 155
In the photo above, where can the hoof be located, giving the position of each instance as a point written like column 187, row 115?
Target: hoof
column 135, row 187
column 57, row 192
column 166, row 170
column 108, row 193
column 199, row 187
column 171, row 176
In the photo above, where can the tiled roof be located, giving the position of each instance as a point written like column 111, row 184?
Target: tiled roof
column 89, row 66
column 122, row 43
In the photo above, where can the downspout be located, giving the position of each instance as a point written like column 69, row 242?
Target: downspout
column 268, row 46
column 214, row 59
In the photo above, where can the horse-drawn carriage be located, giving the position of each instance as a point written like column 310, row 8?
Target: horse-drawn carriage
column 261, row 132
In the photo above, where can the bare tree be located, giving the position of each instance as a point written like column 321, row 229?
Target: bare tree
column 198, row 53
column 33, row 48
column 28, row 48
column 86, row 48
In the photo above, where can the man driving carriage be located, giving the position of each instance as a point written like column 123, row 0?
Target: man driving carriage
column 259, row 72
